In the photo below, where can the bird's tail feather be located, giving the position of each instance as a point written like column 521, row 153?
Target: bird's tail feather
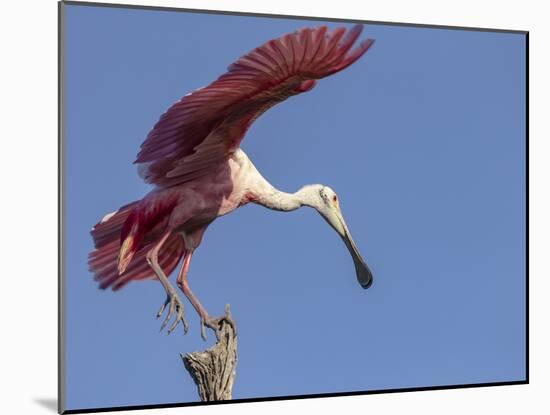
column 104, row 261
column 110, row 227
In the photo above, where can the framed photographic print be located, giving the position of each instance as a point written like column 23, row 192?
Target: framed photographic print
column 259, row 207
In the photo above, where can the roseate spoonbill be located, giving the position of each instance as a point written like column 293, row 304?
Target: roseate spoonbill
column 192, row 156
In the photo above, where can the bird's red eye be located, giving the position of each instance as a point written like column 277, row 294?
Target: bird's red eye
column 334, row 198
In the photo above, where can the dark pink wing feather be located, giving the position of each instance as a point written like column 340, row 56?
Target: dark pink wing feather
column 205, row 127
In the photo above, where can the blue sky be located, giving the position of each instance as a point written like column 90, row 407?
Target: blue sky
column 423, row 140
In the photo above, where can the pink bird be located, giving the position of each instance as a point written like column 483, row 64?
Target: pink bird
column 193, row 157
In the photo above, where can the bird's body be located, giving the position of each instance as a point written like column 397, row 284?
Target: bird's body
column 194, row 205
column 199, row 202
column 193, row 158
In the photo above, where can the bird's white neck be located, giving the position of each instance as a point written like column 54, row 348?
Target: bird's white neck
column 272, row 198
column 263, row 193
column 278, row 200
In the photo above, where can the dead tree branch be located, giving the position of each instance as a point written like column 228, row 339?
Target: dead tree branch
column 213, row 370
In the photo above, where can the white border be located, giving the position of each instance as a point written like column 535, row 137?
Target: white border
column 29, row 202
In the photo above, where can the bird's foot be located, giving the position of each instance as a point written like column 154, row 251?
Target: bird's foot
column 176, row 305
column 215, row 323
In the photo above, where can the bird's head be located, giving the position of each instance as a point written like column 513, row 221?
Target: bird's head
column 325, row 201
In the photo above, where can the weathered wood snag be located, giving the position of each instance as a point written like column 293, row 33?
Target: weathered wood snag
column 213, row 370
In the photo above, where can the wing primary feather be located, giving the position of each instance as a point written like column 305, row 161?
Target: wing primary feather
column 205, row 127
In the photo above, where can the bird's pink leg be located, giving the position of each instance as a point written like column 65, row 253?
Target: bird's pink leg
column 171, row 294
column 183, row 283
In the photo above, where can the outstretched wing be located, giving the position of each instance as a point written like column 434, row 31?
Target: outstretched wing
column 205, row 127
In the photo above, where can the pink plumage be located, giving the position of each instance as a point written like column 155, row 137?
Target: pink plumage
column 205, row 127
column 192, row 156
